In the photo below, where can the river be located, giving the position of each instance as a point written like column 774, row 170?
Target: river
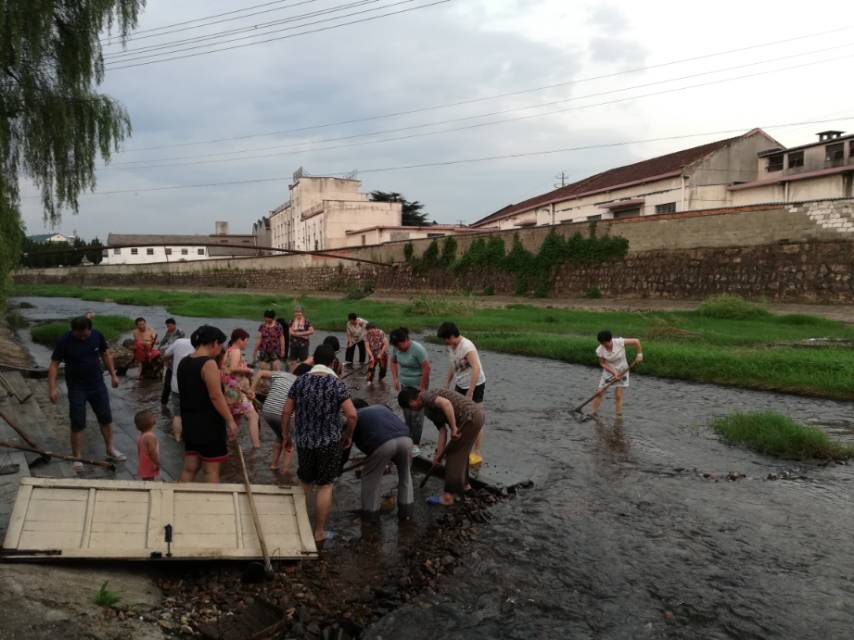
column 632, row 528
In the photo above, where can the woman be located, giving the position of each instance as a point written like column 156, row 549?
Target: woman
column 237, row 382
column 206, row 420
column 300, row 332
column 377, row 342
column 270, row 344
column 615, row 366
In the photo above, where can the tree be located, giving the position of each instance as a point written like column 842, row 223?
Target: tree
column 413, row 214
column 53, row 125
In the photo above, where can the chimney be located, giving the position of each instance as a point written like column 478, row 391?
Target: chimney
column 221, row 228
column 830, row 134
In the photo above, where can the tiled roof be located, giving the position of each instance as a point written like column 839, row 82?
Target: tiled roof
column 142, row 239
column 655, row 168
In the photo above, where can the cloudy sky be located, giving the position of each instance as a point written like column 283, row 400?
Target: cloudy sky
column 620, row 77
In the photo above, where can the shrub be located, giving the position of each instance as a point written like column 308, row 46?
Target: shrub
column 16, row 320
column 489, row 291
column 449, row 252
column 408, row 251
column 111, row 326
column 728, row 307
column 439, row 307
column 106, row 598
column 592, row 293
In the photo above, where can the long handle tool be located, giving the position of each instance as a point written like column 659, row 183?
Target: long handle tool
column 58, row 456
column 268, row 567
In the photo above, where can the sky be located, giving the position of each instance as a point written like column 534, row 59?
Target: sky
column 409, row 101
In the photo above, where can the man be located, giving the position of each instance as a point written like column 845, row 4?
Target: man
column 465, row 370
column 356, row 328
column 82, row 349
column 306, row 365
column 177, row 351
column 384, row 438
column 410, row 367
column 172, row 334
column 615, row 366
column 317, row 399
column 274, row 404
column 456, row 416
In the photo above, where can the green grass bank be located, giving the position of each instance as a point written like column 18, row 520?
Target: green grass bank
column 776, row 435
column 111, row 326
column 725, row 341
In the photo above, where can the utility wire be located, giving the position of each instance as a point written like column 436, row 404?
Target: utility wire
column 490, row 97
column 445, row 163
column 297, row 150
column 285, row 37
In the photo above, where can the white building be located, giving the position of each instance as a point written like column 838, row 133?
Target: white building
column 52, row 238
column 380, row 235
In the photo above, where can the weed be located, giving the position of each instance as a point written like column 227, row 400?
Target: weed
column 106, row 598
column 489, row 291
column 15, row 320
column 111, row 326
column 592, row 293
column 731, row 308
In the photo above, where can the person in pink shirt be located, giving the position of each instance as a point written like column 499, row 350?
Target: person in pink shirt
column 147, row 446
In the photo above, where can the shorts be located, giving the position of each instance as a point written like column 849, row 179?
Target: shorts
column 319, row 465
column 263, row 356
column 98, row 398
column 477, row 396
column 275, row 424
column 606, row 378
column 175, row 404
column 298, row 351
column 207, row 451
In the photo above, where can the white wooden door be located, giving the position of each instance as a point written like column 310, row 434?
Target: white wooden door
column 126, row 519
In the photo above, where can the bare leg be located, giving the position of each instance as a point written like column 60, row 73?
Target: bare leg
column 191, row 468
column 76, row 443
column 277, row 455
column 254, row 435
column 211, row 471
column 286, row 462
column 618, row 400
column 594, row 408
column 107, row 434
column 177, row 428
column 322, row 507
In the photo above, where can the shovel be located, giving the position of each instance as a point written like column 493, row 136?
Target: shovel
column 254, row 569
column 47, row 455
column 604, row 388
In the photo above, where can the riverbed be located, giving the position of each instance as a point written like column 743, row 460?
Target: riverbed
column 643, row 527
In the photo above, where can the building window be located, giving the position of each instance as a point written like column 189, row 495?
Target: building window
column 134, row 251
column 667, row 207
column 834, row 153
column 595, row 218
column 363, row 240
column 105, row 254
column 201, row 252
column 149, row 252
column 117, row 252
column 634, row 212
column 796, row 159
column 184, row 252
column 851, row 148
column 435, row 235
column 168, row 251
column 775, row 162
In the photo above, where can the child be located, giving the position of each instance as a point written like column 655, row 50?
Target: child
column 612, row 358
column 147, row 446
column 377, row 350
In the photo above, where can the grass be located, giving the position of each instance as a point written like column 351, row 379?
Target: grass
column 776, row 435
column 106, row 598
column 725, row 341
column 111, row 326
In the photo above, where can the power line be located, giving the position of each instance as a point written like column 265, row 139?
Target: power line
column 285, row 37
column 444, row 163
column 490, row 97
column 136, row 164
column 254, row 28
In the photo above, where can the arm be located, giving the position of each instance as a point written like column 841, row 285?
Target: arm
column 352, row 417
column 287, row 412
column 425, row 376
column 151, row 449
column 604, row 364
column 384, row 350
column 634, row 342
column 308, row 332
column 449, row 377
column 448, row 409
column 213, row 382
column 368, row 349
column 440, row 445
column 107, row 357
column 52, row 370
column 394, row 378
column 282, row 344
column 230, row 366
column 474, row 362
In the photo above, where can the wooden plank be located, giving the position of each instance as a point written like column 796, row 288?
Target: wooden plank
column 85, row 538
column 239, row 524
column 201, row 487
column 19, row 516
column 16, row 385
column 306, row 533
column 154, row 538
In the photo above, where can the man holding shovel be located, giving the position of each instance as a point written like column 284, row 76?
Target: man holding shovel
column 615, row 367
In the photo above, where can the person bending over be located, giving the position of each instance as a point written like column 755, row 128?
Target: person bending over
column 615, row 366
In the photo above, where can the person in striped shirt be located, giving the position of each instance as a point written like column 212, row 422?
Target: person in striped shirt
column 277, row 396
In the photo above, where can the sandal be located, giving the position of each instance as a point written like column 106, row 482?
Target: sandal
column 436, row 501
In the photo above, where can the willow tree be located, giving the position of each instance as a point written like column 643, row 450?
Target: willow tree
column 53, row 124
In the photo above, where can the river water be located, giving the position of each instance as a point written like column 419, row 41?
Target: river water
column 632, row 528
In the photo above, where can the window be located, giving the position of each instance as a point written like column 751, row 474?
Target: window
column 184, row 252
column 796, row 159
column 168, row 251
column 117, row 252
column 851, row 148
column 667, row 207
column 775, row 162
column 834, row 153
column 363, row 240
column 595, row 218
column 134, row 251
column 201, row 252
column 627, row 213
column 149, row 252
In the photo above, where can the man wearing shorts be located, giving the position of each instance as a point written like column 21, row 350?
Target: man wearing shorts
column 82, row 350
column 317, row 399
column 177, row 351
column 615, row 366
column 274, row 404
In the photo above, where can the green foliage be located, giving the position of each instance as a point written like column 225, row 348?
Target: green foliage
column 731, row 308
column 11, row 237
column 449, row 252
column 106, row 598
column 358, row 292
column 430, row 259
column 56, row 254
column 439, row 307
column 408, row 251
column 489, row 291
column 111, row 326
column 412, row 215
column 776, row 435
column 15, row 320
column 593, row 293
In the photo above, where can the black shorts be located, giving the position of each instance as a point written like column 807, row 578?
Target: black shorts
column 320, row 465
column 298, row 350
column 477, row 396
column 98, row 398
column 263, row 356
column 208, row 451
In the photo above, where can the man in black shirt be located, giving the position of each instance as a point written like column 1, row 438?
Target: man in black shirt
column 82, row 349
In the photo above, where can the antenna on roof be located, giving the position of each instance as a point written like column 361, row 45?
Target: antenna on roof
column 562, row 177
column 351, row 175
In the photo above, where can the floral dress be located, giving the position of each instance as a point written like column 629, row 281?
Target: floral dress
column 236, row 387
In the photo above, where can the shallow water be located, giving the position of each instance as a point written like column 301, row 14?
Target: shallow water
column 632, row 529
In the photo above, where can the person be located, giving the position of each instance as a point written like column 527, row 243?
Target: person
column 206, row 419
column 300, row 333
column 176, row 352
column 238, row 384
column 271, row 411
column 615, row 366
column 172, row 334
column 465, row 371
column 456, row 416
column 410, row 367
column 147, row 446
column 316, row 400
column 306, row 365
column 270, row 343
column 383, row 438
column 144, row 338
column 286, row 331
column 81, row 349
column 377, row 344
column 355, row 329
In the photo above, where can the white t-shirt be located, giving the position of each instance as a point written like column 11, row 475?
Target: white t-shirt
column 179, row 350
column 356, row 332
column 461, row 365
column 616, row 357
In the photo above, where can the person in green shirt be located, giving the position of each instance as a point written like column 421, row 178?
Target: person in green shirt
column 410, row 367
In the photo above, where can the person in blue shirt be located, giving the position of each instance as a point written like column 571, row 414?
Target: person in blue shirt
column 83, row 349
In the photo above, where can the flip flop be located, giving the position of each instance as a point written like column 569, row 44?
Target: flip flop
column 436, row 501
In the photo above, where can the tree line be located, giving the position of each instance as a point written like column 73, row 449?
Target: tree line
column 60, row 254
